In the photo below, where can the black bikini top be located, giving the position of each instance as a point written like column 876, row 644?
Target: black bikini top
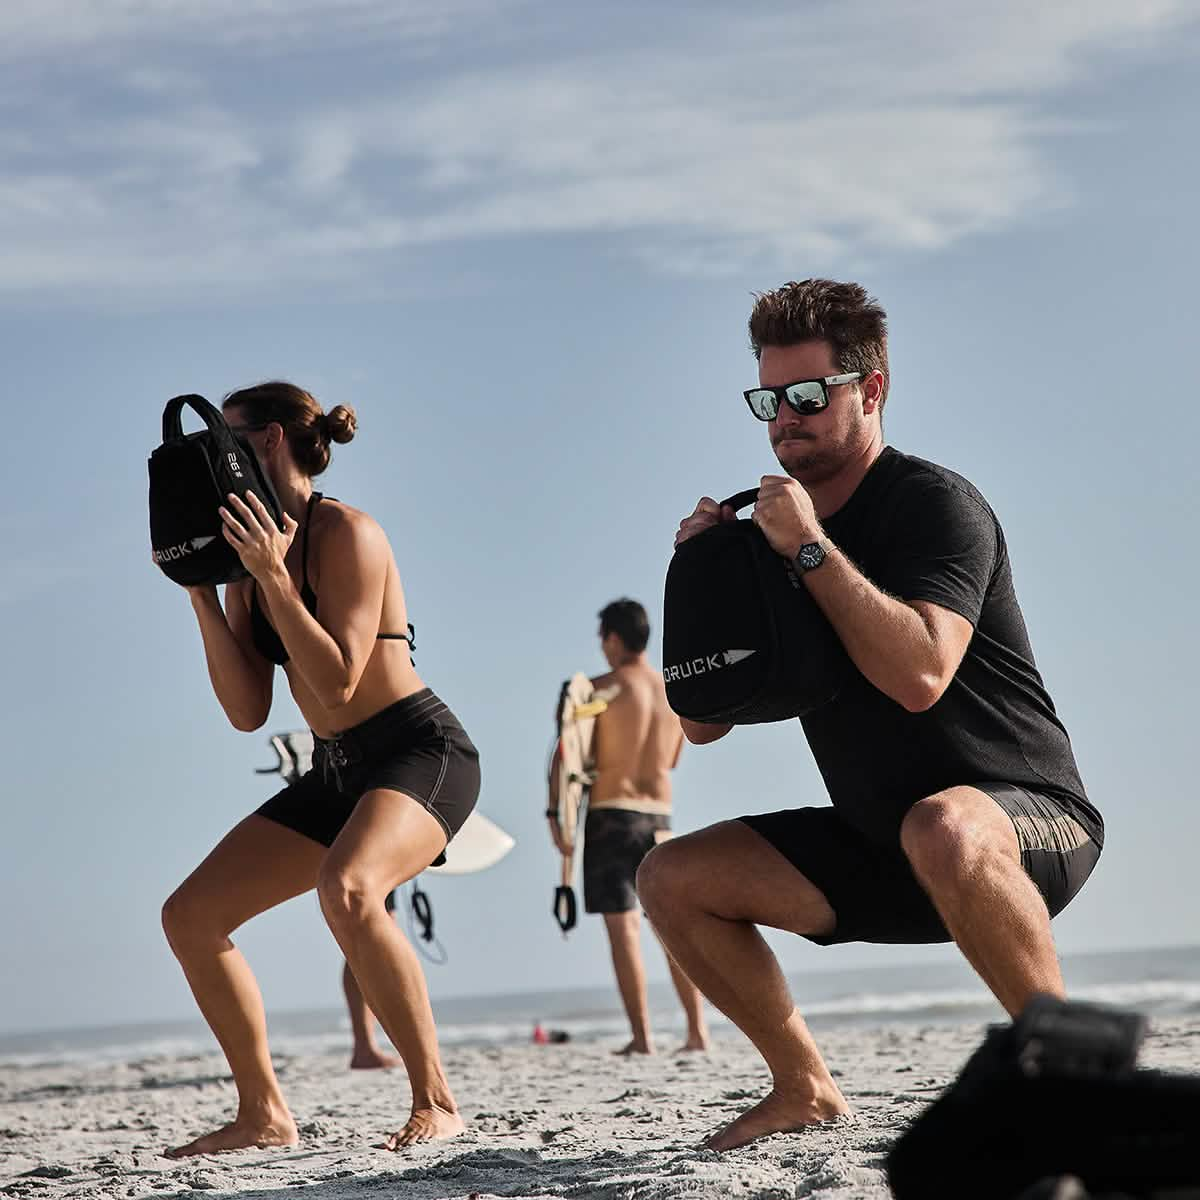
column 262, row 633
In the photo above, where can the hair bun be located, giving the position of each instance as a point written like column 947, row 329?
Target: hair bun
column 340, row 423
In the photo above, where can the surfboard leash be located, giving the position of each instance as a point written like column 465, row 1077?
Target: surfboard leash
column 419, row 912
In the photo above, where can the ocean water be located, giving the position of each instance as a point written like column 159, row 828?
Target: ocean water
column 1162, row 982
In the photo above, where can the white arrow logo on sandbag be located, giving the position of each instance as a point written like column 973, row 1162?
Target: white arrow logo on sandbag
column 736, row 656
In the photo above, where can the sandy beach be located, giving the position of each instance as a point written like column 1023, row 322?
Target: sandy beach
column 571, row 1120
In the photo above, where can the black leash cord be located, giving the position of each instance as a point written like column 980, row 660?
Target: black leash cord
column 420, row 912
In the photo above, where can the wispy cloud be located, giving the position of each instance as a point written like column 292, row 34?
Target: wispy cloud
column 784, row 135
column 277, row 26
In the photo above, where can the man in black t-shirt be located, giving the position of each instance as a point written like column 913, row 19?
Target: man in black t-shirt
column 958, row 811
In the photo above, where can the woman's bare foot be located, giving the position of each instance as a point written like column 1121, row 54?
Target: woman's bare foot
column 695, row 1042
column 242, row 1135
column 637, row 1046
column 372, row 1060
column 779, row 1112
column 426, row 1125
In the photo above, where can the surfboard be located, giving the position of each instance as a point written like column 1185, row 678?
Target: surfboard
column 579, row 704
column 479, row 844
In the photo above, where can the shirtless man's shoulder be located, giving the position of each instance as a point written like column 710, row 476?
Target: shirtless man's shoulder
column 631, row 683
column 607, row 680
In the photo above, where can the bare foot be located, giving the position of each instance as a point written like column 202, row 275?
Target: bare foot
column 241, row 1135
column 694, row 1044
column 779, row 1112
column 426, row 1125
column 637, row 1046
column 372, row 1060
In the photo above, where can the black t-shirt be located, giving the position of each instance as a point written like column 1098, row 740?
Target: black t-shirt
column 921, row 532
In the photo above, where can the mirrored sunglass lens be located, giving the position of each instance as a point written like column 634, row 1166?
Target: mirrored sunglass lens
column 806, row 397
column 764, row 404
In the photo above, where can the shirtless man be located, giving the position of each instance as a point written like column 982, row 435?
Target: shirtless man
column 637, row 743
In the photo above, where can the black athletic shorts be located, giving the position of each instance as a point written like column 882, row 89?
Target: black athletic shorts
column 872, row 889
column 415, row 746
column 614, row 843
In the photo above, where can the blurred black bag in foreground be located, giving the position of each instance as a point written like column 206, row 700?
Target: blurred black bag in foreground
column 743, row 641
column 190, row 477
column 1056, row 1093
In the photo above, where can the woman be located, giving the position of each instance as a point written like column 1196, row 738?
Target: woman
column 394, row 775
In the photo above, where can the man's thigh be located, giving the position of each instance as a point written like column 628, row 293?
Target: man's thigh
column 1056, row 851
column 732, row 872
column 871, row 891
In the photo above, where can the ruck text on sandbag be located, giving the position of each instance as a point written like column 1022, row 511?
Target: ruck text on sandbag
column 704, row 664
column 173, row 553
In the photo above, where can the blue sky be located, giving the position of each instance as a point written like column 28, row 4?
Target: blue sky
column 522, row 240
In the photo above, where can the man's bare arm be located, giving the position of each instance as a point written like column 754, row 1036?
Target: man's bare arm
column 700, row 733
column 910, row 650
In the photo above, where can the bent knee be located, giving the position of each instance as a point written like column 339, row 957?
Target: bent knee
column 942, row 835
column 347, row 896
column 186, row 918
column 664, row 875
column 173, row 915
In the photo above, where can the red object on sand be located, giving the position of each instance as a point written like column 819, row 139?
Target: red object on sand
column 540, row 1037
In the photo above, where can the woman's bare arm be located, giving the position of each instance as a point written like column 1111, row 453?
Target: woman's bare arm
column 241, row 679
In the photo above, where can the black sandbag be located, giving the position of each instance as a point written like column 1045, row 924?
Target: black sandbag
column 191, row 476
column 743, row 641
column 1056, row 1093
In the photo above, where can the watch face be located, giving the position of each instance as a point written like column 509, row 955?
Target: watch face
column 810, row 555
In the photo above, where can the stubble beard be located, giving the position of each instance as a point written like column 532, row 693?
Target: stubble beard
column 807, row 464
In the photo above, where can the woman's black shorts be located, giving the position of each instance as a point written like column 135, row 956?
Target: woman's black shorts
column 872, row 889
column 415, row 746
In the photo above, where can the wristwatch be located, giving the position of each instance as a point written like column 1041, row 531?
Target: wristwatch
column 812, row 554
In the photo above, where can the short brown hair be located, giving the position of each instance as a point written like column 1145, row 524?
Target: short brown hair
column 821, row 310
column 628, row 620
column 308, row 429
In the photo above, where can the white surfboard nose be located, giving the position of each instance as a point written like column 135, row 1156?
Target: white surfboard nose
column 479, row 844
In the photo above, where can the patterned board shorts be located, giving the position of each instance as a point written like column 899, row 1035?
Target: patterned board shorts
column 872, row 889
column 614, row 843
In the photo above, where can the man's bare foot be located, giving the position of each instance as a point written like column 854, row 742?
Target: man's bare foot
column 637, row 1046
column 696, row 1044
column 779, row 1113
column 426, row 1125
column 372, row 1060
column 241, row 1135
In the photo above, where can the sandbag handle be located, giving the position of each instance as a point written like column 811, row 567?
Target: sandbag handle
column 226, row 442
column 173, row 415
column 740, row 500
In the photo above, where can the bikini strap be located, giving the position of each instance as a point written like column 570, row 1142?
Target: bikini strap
column 410, row 637
column 308, row 512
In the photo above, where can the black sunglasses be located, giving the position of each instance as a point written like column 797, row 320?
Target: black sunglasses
column 806, row 396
